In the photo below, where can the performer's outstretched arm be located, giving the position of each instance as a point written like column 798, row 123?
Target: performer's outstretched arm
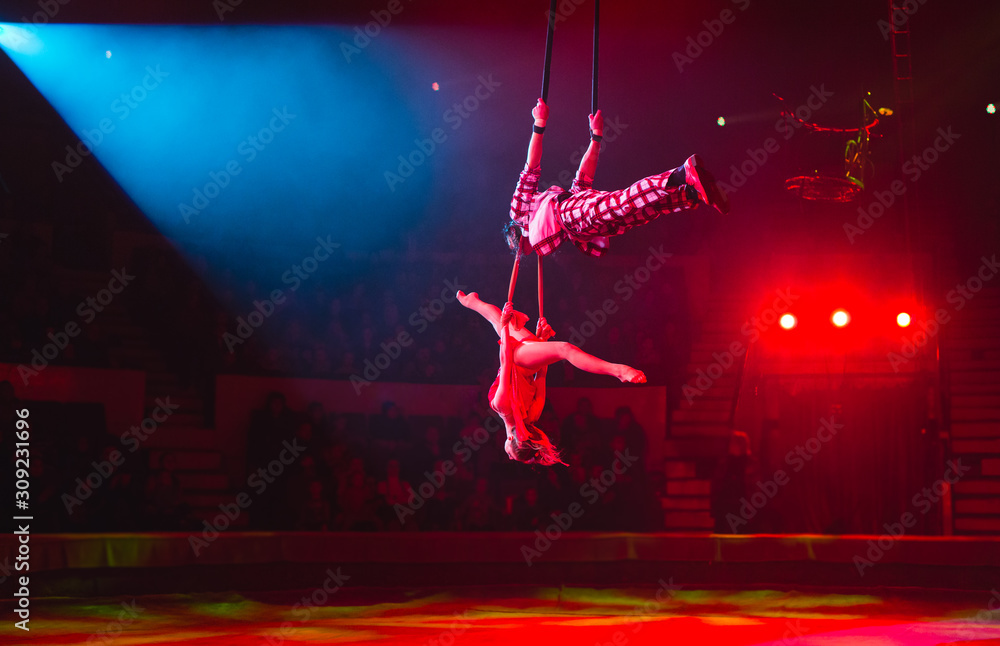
column 527, row 183
column 538, row 403
column 502, row 399
column 544, row 332
column 541, row 114
column 588, row 165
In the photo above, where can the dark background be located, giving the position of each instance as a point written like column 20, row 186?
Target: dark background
column 772, row 48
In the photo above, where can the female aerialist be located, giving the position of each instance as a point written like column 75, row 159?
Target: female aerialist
column 518, row 393
column 588, row 217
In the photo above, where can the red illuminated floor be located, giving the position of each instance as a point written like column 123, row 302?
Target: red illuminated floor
column 519, row 616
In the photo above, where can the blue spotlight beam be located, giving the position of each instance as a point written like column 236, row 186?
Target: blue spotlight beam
column 255, row 132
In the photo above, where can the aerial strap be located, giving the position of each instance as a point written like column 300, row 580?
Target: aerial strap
column 547, row 68
column 546, row 75
column 593, row 88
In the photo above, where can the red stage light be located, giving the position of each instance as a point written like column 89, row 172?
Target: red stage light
column 903, row 319
column 788, row 321
column 840, row 318
column 435, row 87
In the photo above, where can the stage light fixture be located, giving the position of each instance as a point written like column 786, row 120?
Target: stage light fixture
column 435, row 86
column 903, row 319
column 721, row 121
column 788, row 321
column 107, row 54
column 840, row 318
column 991, row 108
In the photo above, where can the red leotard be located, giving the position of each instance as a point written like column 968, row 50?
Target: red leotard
column 523, row 387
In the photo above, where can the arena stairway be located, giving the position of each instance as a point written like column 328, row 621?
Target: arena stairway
column 699, row 426
column 970, row 346
column 200, row 461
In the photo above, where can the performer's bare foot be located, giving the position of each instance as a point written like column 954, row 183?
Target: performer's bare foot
column 467, row 299
column 630, row 375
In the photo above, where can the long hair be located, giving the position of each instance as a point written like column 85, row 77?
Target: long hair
column 535, row 449
column 512, row 234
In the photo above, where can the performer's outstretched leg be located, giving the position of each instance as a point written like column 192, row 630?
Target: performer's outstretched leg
column 608, row 213
column 537, row 354
column 492, row 314
column 532, row 356
column 489, row 312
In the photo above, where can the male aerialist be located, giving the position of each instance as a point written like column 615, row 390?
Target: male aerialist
column 588, row 217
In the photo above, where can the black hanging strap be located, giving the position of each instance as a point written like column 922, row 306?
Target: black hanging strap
column 597, row 22
column 548, row 51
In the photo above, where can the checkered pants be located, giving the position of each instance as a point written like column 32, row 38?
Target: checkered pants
column 607, row 213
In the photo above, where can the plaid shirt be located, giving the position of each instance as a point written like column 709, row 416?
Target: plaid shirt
column 528, row 204
column 587, row 217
